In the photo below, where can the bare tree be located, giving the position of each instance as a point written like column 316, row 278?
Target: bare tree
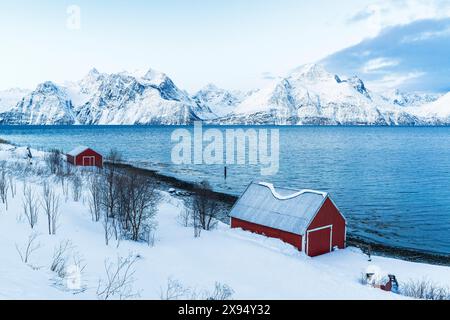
column 77, row 187
column 54, row 161
column 12, row 186
column 185, row 216
column 119, row 280
column 95, row 194
column 203, row 209
column 30, row 207
column 30, row 247
column 110, row 194
column 4, row 185
column 50, row 204
column 114, row 156
column 140, row 198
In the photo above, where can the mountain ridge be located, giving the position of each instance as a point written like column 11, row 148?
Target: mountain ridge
column 308, row 95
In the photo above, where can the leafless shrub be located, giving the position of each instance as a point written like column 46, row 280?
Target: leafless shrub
column 12, row 186
column 174, row 290
column 114, row 156
column 110, row 193
column 137, row 203
column 29, row 248
column 30, row 207
column 69, row 267
column 77, row 187
column 119, row 280
column 184, row 218
column 203, row 209
column 4, row 185
column 60, row 258
column 221, row 292
column 95, row 194
column 50, row 204
column 425, row 289
column 54, row 161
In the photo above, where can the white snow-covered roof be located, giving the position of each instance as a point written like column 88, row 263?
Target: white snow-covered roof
column 282, row 208
column 77, row 151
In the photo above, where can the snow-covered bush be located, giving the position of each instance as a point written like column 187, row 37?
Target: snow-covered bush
column 424, row 289
column 175, row 290
column 68, row 267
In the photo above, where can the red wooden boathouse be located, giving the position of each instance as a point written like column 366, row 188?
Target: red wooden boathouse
column 306, row 219
column 86, row 157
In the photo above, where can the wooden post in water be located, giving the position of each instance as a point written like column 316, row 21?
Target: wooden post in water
column 225, row 173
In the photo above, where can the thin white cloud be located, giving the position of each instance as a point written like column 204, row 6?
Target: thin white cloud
column 382, row 14
column 394, row 81
column 427, row 35
column 378, row 64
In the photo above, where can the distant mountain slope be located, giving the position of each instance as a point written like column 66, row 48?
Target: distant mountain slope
column 48, row 104
column 311, row 95
column 409, row 99
column 100, row 98
column 10, row 98
column 221, row 102
column 436, row 112
column 307, row 95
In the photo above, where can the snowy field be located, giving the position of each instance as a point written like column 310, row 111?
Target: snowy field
column 253, row 266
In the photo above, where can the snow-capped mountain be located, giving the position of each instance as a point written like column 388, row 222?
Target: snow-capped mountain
column 48, row 104
column 311, row 95
column 10, row 98
column 307, row 95
column 125, row 98
column 409, row 99
column 100, row 98
column 436, row 112
column 220, row 101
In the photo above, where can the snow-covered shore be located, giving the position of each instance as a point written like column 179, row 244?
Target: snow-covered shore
column 255, row 267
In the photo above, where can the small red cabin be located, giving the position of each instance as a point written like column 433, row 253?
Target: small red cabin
column 85, row 157
column 307, row 219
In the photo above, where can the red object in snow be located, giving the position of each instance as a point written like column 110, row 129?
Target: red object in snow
column 85, row 157
column 307, row 219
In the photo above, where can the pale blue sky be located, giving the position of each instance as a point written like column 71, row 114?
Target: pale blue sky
column 231, row 43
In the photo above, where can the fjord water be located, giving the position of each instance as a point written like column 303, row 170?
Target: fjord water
column 392, row 183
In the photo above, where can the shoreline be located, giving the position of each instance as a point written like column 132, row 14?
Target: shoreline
column 228, row 200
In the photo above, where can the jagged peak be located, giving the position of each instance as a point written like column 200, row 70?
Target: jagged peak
column 94, row 72
column 155, row 76
column 47, row 87
column 311, row 71
column 211, row 87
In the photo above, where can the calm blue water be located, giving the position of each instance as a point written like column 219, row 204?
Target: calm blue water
column 392, row 183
